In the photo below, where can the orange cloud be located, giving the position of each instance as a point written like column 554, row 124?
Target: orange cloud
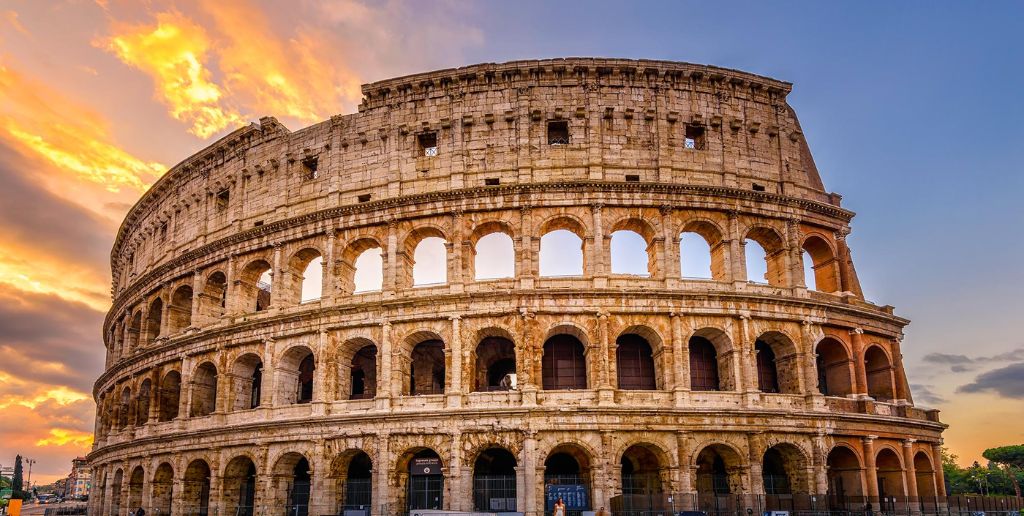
column 64, row 437
column 174, row 53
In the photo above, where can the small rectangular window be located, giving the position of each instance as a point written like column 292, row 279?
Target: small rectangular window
column 694, row 137
column 310, row 168
column 492, row 181
column 163, row 231
column 632, row 178
column 364, row 198
column 758, row 188
column 223, row 197
column 258, row 223
column 558, row 132
column 428, row 144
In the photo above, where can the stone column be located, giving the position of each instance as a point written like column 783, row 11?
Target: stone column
column 820, row 478
column 381, row 491
column 277, row 280
column 940, row 483
column 526, row 269
column 796, row 262
column 458, row 497
column 672, row 272
column 391, row 262
column 870, row 470
column 268, row 398
column 329, row 289
column 606, row 394
column 747, row 361
column 909, row 471
column 385, row 387
column 902, row 388
column 455, row 249
column 810, row 360
column 185, row 391
column 596, row 256
column 857, row 338
column 320, row 373
column 737, row 258
column 526, row 479
column 197, row 299
column 165, row 311
column 455, row 353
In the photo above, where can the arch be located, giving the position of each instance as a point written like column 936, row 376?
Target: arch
column 784, row 470
column 835, row 374
column 134, row 333
column 124, row 412
column 295, row 375
column 844, row 474
column 247, row 382
column 306, row 276
column 717, row 265
column 196, row 488
column 142, row 402
column 361, row 266
column 179, row 313
column 492, row 251
column 495, row 364
column 719, row 469
column 421, row 478
column 924, row 473
column 154, row 318
column 204, row 390
column 163, row 488
column 352, row 471
column 711, row 357
column 879, row 371
column 772, row 244
column 136, row 481
column 569, row 464
column 632, row 247
column 363, row 372
column 635, row 367
column 238, row 486
column 563, row 247
column 825, row 268
column 564, row 364
column 494, row 480
column 292, row 480
column 115, row 491
column 170, row 395
column 425, row 254
column 214, row 298
column 778, row 364
column 890, row 473
column 255, row 284
column 427, row 371
column 644, row 473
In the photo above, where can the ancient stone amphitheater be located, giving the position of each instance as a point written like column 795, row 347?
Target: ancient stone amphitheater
column 248, row 372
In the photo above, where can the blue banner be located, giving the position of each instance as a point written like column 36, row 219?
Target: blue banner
column 573, row 495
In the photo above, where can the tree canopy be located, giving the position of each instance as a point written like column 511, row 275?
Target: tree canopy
column 1011, row 459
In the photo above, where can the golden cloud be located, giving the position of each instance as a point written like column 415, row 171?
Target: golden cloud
column 173, row 52
column 64, row 437
column 29, row 270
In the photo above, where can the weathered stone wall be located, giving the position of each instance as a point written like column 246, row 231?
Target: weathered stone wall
column 184, row 331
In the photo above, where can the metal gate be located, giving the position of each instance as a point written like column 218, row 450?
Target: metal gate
column 494, row 493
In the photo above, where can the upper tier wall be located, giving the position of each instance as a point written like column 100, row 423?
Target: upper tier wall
column 625, row 118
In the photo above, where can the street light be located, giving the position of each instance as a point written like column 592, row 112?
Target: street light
column 28, row 481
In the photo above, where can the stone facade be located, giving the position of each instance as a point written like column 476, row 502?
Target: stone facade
column 224, row 392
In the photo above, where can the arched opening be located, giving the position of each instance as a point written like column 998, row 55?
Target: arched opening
column 765, row 257
column 707, row 370
column 430, row 262
column 427, row 368
column 142, row 402
column 295, row 376
column 307, row 270
column 124, row 410
column 239, row 487
column 247, row 379
column 925, row 476
column 363, row 373
column 844, row 475
column 154, row 319
column 424, row 480
column 775, row 473
column 135, row 482
column 890, row 474
column 879, row 374
column 695, row 258
column 495, row 362
column 630, row 253
column 718, row 471
column 494, row 481
column 214, row 299
column 778, row 364
column 115, row 492
column 196, row 487
column 204, row 390
column 567, row 476
column 170, row 396
column 642, row 472
column 564, row 363
column 353, row 474
column 134, row 333
column 255, row 285
column 562, row 248
column 494, row 257
column 821, row 269
column 361, row 267
column 298, row 484
column 635, row 363
column 163, row 489
column 833, row 365
column 179, row 314
column 99, row 491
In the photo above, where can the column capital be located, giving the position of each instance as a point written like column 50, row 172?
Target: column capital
column 857, row 331
column 907, row 443
column 869, row 438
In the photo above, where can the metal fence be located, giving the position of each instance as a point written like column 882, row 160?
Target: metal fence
column 665, row 504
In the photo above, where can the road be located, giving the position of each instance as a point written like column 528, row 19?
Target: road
column 38, row 510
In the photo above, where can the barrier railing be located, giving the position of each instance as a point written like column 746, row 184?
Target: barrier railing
column 665, row 504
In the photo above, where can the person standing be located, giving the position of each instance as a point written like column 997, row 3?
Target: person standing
column 559, row 508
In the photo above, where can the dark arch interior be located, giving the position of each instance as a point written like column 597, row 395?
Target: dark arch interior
column 564, row 365
column 306, row 368
column 427, row 371
column 773, row 473
column 364, row 373
column 359, row 482
column 425, row 487
column 712, row 476
column 495, row 359
column 641, row 471
column 635, row 363
column 703, row 365
column 298, row 495
column 494, row 481
column 767, row 373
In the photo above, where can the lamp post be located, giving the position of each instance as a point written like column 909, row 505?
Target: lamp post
column 28, row 480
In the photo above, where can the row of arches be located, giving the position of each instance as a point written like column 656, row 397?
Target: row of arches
column 427, row 257
column 419, row 477
column 566, row 361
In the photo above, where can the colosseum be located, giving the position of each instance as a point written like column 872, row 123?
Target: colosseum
column 275, row 345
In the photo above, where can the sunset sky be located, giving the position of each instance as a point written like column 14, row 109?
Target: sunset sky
column 913, row 111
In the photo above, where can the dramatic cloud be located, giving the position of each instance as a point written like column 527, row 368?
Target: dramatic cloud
column 926, row 394
column 963, row 363
column 174, row 52
column 1006, row 381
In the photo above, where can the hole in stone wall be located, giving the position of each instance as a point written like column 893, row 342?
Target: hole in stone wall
column 310, row 168
column 492, row 181
column 223, row 198
column 758, row 188
column 427, row 144
column 632, row 178
column 694, row 138
column 558, row 132
column 364, row 198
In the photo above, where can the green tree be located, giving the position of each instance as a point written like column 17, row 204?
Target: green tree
column 1011, row 459
column 16, row 481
